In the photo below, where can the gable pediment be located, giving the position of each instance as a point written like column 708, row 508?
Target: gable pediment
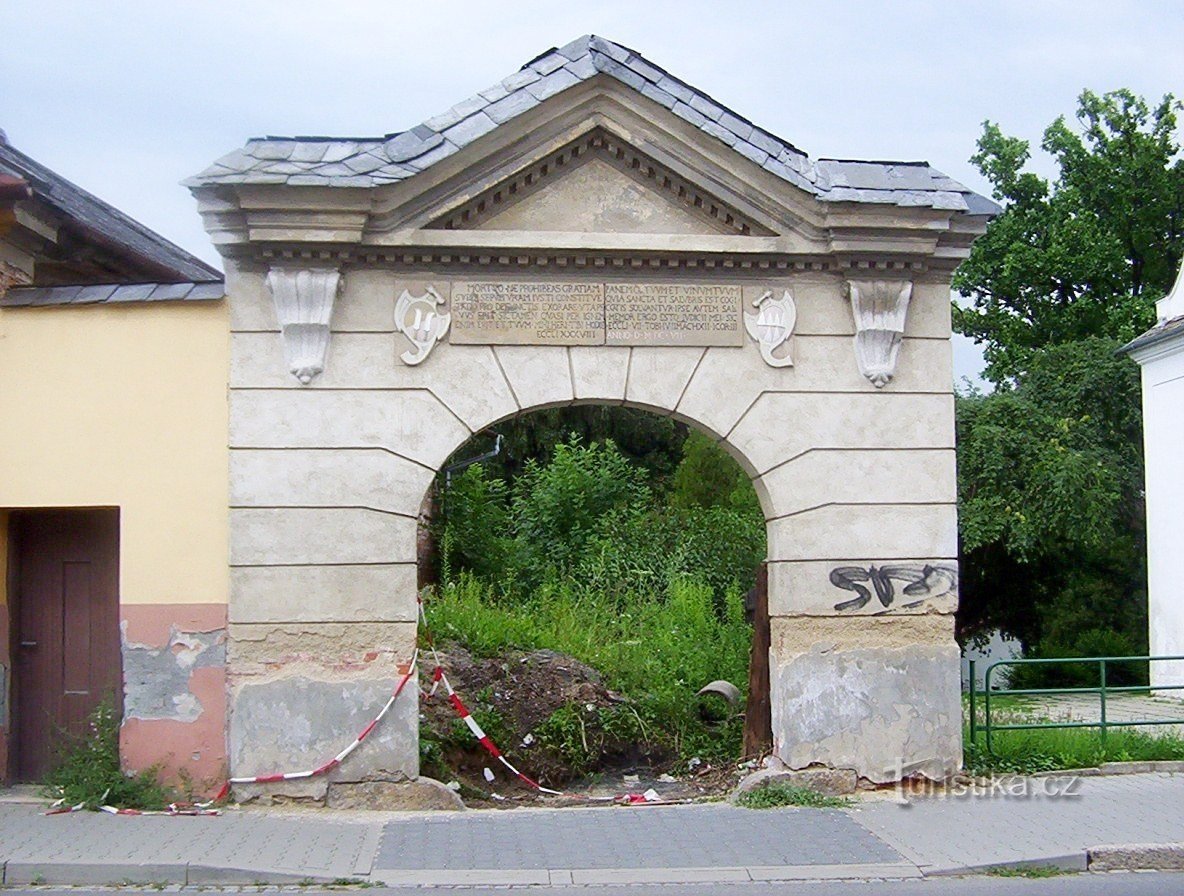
column 599, row 183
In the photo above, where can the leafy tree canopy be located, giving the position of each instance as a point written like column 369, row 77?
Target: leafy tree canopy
column 1086, row 254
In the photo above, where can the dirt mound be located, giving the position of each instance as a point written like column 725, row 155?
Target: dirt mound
column 549, row 713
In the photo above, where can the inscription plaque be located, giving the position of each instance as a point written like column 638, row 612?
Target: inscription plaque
column 486, row 313
column 500, row 313
column 672, row 314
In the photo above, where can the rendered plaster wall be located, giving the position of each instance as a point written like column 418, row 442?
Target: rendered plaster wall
column 1163, row 433
column 126, row 407
column 327, row 480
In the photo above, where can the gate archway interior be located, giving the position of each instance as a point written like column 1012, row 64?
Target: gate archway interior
column 586, row 571
column 576, row 235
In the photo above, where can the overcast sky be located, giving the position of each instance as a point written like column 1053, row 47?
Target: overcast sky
column 127, row 98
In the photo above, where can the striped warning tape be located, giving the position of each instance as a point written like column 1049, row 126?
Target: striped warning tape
column 438, row 678
column 340, row 757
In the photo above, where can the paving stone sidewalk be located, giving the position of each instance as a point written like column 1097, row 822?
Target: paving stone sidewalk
column 1031, row 819
column 234, row 848
column 1022, row 822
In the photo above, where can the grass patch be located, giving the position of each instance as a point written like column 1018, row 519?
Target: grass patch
column 656, row 647
column 1053, row 749
column 89, row 771
column 1034, row 872
column 774, row 796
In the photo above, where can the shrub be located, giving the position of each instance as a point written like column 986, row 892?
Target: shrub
column 776, row 795
column 89, row 770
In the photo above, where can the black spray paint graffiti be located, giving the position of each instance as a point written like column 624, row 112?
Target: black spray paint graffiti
column 922, row 582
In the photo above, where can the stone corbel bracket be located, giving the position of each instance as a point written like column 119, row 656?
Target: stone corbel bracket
column 304, row 300
column 879, row 308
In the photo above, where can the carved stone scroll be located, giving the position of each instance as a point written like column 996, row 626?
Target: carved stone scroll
column 879, row 308
column 304, row 306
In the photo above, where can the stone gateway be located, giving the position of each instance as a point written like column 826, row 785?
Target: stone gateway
column 590, row 229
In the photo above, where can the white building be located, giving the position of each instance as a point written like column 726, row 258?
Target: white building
column 1160, row 353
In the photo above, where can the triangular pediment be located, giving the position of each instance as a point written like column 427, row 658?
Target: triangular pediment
column 599, row 184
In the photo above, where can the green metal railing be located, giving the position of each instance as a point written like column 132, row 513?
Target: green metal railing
column 1103, row 690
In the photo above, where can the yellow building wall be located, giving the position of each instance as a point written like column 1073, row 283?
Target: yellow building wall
column 125, row 406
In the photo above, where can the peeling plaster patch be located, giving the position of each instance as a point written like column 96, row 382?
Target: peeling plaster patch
column 881, row 711
column 280, row 724
column 157, row 679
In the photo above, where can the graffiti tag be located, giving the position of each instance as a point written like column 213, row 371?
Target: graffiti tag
column 920, row 583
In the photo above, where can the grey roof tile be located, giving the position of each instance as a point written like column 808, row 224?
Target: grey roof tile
column 402, row 147
column 256, row 177
column 675, row 88
column 722, row 133
column 549, row 63
column 514, row 104
column 20, row 297
column 691, row 114
column 608, row 48
column 360, row 162
column 470, row 129
column 367, row 162
column 735, row 124
column 88, row 295
column 271, row 149
column 335, row 152
column 429, row 158
column 170, row 292
column 651, row 73
column 583, row 68
column 112, row 293
column 554, row 83
column 520, row 79
column 138, row 292
column 762, row 140
column 749, row 151
column 205, row 291
column 622, row 73
column 706, row 107
column 659, row 96
column 308, row 152
column 576, row 49
column 495, row 93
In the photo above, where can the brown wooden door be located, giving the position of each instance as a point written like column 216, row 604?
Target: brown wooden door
column 66, row 636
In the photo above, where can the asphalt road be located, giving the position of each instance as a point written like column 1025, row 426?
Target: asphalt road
column 1113, row 884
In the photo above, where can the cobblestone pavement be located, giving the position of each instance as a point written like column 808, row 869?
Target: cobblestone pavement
column 716, row 836
column 1119, row 708
column 1031, row 818
column 236, row 847
column 1026, row 820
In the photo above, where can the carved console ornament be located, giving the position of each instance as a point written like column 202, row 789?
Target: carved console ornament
column 879, row 308
column 304, row 306
column 419, row 319
column 772, row 326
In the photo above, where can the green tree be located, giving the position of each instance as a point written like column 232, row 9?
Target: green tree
column 1086, row 254
column 1050, row 500
column 1050, row 465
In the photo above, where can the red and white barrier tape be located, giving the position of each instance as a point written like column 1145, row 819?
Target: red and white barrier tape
column 340, row 757
column 438, row 678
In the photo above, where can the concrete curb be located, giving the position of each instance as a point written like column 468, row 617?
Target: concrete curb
column 1170, row 766
column 1068, row 862
column 1137, row 857
column 629, row 876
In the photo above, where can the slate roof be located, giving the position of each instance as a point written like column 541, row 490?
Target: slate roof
column 104, row 223
column 112, row 293
column 370, row 162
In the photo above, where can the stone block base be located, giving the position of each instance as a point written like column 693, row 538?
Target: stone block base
column 878, row 695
